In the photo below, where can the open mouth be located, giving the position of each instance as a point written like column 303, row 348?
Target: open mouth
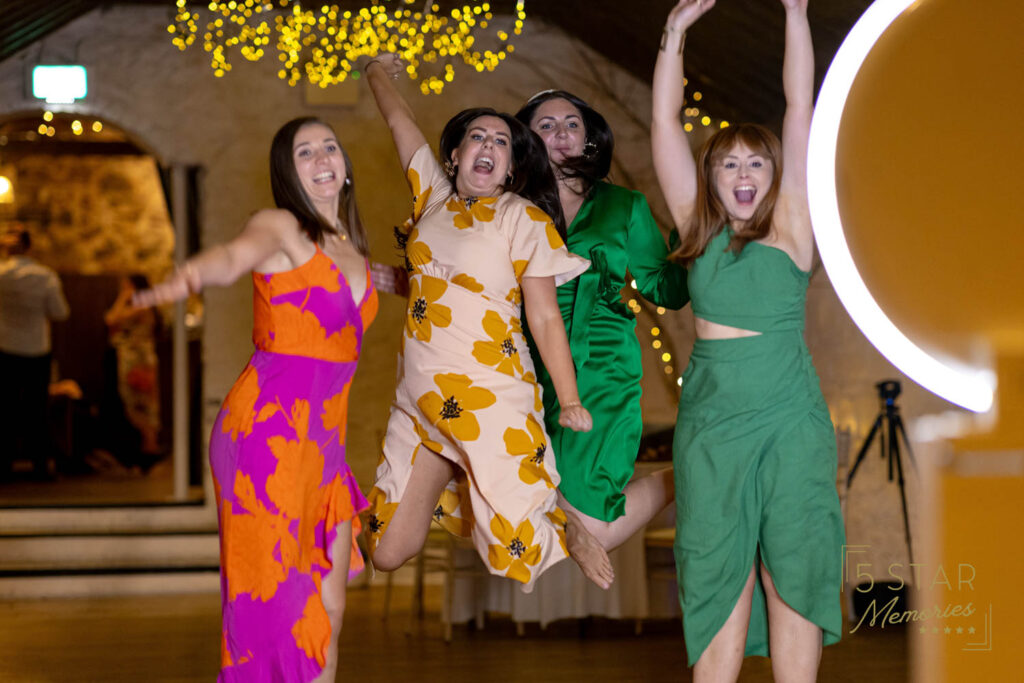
column 325, row 177
column 745, row 194
column 484, row 165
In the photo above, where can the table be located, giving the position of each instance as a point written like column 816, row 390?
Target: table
column 563, row 592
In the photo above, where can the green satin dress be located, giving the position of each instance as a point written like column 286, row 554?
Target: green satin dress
column 615, row 230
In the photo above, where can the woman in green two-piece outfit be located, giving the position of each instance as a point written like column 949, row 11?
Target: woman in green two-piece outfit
column 612, row 227
column 758, row 531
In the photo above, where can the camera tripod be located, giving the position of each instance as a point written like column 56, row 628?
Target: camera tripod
column 889, row 445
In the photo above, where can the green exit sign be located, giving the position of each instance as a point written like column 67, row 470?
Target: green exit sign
column 59, row 83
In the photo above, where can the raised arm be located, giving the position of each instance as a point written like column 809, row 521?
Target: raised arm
column 673, row 160
column 548, row 330
column 381, row 72
column 792, row 214
column 265, row 234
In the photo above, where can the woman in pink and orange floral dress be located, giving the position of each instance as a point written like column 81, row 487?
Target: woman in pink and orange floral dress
column 286, row 498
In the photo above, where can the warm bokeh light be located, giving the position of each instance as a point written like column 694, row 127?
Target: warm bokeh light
column 322, row 44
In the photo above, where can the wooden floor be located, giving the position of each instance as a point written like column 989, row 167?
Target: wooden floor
column 113, row 486
column 176, row 639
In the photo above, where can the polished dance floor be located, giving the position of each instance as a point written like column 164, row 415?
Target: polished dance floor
column 176, row 639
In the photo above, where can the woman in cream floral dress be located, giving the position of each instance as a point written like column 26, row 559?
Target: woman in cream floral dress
column 465, row 444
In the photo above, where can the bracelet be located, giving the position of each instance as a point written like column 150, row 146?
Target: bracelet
column 366, row 69
column 187, row 270
column 571, row 404
column 664, row 39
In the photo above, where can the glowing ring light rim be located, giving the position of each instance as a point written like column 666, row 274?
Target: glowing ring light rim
column 970, row 388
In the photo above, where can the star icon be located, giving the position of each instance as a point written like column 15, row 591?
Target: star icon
column 971, row 630
column 959, row 629
column 935, row 630
column 924, row 629
column 948, row 630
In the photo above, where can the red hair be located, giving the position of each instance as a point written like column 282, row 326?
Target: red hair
column 709, row 215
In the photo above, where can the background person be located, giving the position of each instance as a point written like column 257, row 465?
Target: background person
column 30, row 298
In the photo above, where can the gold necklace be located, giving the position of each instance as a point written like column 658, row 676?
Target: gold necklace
column 340, row 231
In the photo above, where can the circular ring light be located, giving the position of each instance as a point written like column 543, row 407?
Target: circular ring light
column 971, row 388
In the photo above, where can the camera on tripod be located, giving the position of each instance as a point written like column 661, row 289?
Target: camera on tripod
column 889, row 422
column 888, row 390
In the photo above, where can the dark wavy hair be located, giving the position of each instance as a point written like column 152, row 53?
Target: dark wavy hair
column 288, row 192
column 532, row 177
column 596, row 161
column 709, row 215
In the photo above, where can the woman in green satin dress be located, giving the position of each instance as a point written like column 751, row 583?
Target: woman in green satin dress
column 612, row 227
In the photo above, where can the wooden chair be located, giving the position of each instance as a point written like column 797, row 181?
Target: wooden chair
column 439, row 556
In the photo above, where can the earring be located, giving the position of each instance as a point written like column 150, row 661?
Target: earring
column 450, row 168
column 509, row 178
column 589, row 149
column 348, row 181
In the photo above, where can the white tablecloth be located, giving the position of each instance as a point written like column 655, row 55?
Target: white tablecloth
column 562, row 592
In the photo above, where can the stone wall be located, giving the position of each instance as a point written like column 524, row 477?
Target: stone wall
column 96, row 214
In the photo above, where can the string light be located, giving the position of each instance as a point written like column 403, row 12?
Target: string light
column 704, row 119
column 322, row 44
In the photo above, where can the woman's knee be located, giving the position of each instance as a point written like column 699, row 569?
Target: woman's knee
column 388, row 557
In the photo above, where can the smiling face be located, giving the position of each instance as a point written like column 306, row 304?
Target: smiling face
column 319, row 164
column 483, row 158
column 742, row 178
column 560, row 125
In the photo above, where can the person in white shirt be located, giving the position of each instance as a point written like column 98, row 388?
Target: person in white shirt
column 30, row 297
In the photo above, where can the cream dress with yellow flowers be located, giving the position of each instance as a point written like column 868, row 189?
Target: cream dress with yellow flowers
column 467, row 389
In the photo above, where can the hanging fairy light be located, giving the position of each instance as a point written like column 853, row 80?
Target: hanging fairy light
column 322, row 43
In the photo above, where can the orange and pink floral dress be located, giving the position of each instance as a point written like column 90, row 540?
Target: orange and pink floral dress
column 467, row 389
column 282, row 482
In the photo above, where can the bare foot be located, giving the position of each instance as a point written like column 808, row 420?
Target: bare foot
column 588, row 553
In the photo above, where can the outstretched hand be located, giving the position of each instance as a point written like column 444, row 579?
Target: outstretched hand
column 687, row 12
column 390, row 279
column 391, row 63
column 179, row 285
column 576, row 418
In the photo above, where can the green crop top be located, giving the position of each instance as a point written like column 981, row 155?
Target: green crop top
column 759, row 289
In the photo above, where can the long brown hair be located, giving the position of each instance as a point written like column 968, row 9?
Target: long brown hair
column 599, row 143
column 709, row 216
column 288, row 192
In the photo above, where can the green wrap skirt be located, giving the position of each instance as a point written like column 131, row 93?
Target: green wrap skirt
column 755, row 468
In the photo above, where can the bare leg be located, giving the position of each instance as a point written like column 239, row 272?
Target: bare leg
column 333, row 595
column 407, row 530
column 645, row 497
column 795, row 641
column 584, row 548
column 721, row 661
